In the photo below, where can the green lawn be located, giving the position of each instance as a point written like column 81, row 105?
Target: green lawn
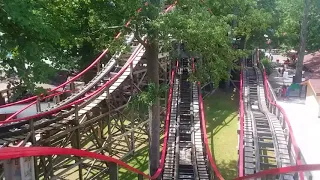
column 139, row 161
column 222, row 116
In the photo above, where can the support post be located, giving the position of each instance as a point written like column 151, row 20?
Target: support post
column 8, row 95
column 58, row 99
column 77, row 139
column 101, row 126
column 38, row 105
column 109, row 149
column 113, row 170
column 140, row 177
column 50, row 163
column 132, row 118
column 34, row 140
column 98, row 66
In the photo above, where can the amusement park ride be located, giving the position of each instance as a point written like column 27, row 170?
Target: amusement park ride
column 42, row 140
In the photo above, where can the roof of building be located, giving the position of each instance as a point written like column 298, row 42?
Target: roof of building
column 312, row 61
column 314, row 84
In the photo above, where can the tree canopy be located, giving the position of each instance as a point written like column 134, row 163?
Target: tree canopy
column 71, row 33
column 290, row 14
column 68, row 34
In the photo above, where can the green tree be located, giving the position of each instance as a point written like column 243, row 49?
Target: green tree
column 204, row 34
column 28, row 37
column 303, row 41
column 70, row 34
column 291, row 17
column 145, row 24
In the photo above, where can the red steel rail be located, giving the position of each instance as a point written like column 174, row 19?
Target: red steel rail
column 18, row 152
column 241, row 133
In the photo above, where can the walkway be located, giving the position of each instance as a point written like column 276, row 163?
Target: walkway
column 304, row 122
column 305, row 125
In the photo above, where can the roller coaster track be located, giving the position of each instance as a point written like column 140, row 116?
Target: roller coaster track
column 186, row 158
column 265, row 135
column 266, row 140
column 93, row 117
column 185, row 153
column 114, row 164
column 98, row 88
column 189, row 162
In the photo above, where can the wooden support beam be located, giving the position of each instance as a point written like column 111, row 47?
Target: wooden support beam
column 140, row 177
column 113, row 170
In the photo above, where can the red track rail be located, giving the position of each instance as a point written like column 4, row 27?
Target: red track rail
column 18, row 152
column 94, row 63
column 167, row 124
column 205, row 136
column 204, row 130
column 241, row 133
column 29, row 105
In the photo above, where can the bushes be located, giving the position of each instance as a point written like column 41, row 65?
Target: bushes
column 267, row 66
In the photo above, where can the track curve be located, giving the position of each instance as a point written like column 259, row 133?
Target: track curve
column 14, row 130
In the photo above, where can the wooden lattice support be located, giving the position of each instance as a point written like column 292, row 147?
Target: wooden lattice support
column 108, row 128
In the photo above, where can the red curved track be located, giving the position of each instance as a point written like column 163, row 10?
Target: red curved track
column 17, row 152
column 8, row 153
column 241, row 133
column 29, row 105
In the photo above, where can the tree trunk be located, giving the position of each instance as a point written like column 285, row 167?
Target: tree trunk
column 87, row 52
column 303, row 40
column 234, row 23
column 153, row 75
column 228, row 80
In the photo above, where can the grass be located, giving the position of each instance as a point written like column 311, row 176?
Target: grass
column 221, row 110
column 140, row 161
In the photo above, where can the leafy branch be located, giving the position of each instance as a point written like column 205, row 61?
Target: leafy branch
column 146, row 98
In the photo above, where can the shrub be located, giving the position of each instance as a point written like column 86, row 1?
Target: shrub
column 267, row 65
